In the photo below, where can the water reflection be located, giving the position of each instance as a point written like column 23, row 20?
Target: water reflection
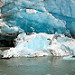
column 38, row 66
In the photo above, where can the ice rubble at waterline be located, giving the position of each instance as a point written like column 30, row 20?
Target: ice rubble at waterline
column 41, row 44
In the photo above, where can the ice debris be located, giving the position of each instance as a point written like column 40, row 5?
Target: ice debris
column 41, row 44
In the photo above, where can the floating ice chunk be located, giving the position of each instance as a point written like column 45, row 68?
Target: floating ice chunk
column 69, row 58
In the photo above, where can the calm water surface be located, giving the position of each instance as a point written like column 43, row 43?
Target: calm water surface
column 37, row 66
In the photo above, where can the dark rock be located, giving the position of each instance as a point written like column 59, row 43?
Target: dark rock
column 73, row 56
column 7, row 40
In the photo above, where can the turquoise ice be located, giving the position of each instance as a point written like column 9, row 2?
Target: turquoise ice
column 47, row 16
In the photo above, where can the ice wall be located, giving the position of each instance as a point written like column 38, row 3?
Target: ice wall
column 63, row 10
column 48, row 16
column 41, row 44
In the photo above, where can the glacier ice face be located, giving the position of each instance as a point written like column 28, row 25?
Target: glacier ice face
column 61, row 7
column 41, row 44
column 9, row 29
column 46, row 16
column 63, row 10
column 33, row 16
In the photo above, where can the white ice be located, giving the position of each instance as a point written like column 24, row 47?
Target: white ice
column 41, row 44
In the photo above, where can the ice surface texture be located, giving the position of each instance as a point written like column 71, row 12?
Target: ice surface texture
column 40, row 16
column 41, row 44
column 48, row 16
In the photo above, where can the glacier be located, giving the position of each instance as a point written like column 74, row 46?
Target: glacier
column 47, row 16
column 41, row 44
column 45, row 21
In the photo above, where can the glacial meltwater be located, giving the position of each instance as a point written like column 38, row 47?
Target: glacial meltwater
column 37, row 66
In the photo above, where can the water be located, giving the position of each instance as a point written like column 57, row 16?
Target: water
column 37, row 66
